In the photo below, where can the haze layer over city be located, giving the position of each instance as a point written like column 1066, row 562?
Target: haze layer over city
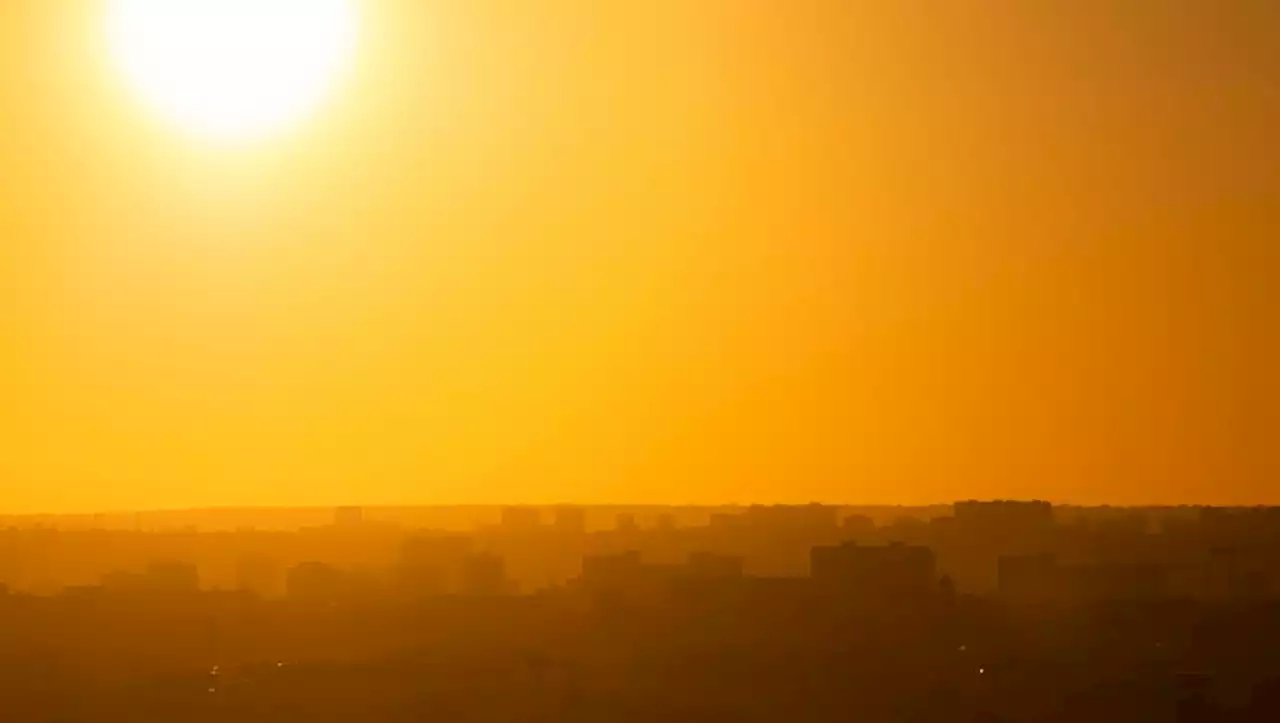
column 650, row 253
column 681, row 360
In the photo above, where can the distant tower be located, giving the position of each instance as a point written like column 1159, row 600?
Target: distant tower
column 570, row 520
column 484, row 574
column 259, row 575
column 315, row 582
column 429, row 564
column 884, row 572
column 1194, row 702
column 348, row 516
column 858, row 527
column 172, row 576
column 521, row 519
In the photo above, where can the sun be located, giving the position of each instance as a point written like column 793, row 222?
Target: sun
column 232, row 69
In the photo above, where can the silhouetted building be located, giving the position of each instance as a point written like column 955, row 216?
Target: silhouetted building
column 617, row 568
column 171, row 577
column 858, row 527
column 1116, row 582
column 626, row 522
column 1231, row 573
column 484, row 574
column 430, row 564
column 118, row 581
column 885, row 571
column 798, row 518
column 521, row 519
column 259, row 575
column 728, row 521
column 1030, row 579
column 1264, row 699
column 1233, row 525
column 982, row 531
column 624, row 579
column 854, row 631
column 316, row 582
column 708, row 580
column 1011, row 515
column 711, row 565
column 1221, row 572
column 947, row 593
column 1194, row 698
column 570, row 520
column 348, row 516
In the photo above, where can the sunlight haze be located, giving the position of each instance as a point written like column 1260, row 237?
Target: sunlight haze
column 669, row 251
column 231, row 68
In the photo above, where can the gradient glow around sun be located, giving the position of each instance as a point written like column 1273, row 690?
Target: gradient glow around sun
column 232, row 69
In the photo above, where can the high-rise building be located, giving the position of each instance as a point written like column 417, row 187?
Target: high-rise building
column 259, row 575
column 570, row 520
column 118, row 581
column 172, row 577
column 981, row 531
column 1012, row 516
column 857, row 526
column 1264, row 700
column 429, row 565
column 608, row 570
column 1194, row 698
column 521, row 519
column 1029, row 578
column 348, row 516
column 315, row 582
column 800, row 518
column 484, row 574
column 1115, row 581
column 712, row 565
column 886, row 571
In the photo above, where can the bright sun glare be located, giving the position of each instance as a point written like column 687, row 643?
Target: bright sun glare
column 232, row 69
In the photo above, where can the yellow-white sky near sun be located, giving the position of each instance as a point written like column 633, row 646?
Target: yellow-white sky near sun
column 232, row 69
column 399, row 251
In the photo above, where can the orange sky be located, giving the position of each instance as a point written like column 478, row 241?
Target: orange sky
column 712, row 251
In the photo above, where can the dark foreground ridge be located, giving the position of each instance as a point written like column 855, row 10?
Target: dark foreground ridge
column 986, row 611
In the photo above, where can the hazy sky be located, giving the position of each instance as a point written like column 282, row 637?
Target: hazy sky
column 676, row 250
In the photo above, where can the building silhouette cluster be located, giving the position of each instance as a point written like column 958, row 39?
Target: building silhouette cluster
column 991, row 610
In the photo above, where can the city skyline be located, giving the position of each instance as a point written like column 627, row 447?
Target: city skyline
column 695, row 361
